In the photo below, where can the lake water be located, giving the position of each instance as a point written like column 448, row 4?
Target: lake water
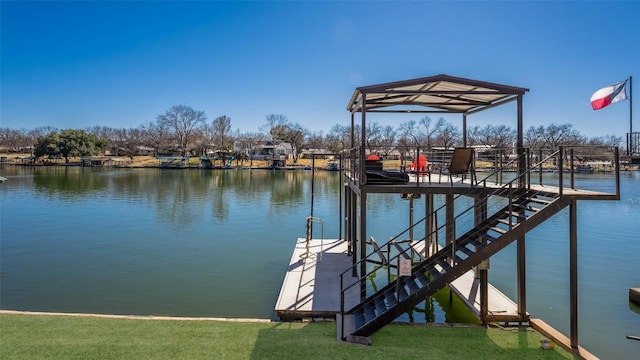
column 218, row 242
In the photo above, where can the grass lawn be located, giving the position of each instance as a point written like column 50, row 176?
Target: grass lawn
column 62, row 337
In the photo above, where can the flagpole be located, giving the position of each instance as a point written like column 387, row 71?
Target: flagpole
column 630, row 150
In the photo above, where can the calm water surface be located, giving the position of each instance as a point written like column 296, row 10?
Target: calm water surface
column 217, row 243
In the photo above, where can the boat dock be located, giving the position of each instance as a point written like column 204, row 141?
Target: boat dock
column 311, row 290
column 500, row 307
column 311, row 287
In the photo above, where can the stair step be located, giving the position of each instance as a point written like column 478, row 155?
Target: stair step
column 486, row 238
column 540, row 201
column 369, row 311
column 466, row 250
column 444, row 264
column 381, row 307
column 402, row 293
column 499, row 230
column 359, row 319
column 507, row 222
column 431, row 269
column 516, row 214
column 422, row 278
column 527, row 207
column 391, row 298
column 413, row 287
column 459, row 259
column 475, row 242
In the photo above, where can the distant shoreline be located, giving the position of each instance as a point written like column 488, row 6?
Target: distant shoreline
column 153, row 162
column 145, row 161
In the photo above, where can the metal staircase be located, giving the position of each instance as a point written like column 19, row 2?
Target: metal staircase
column 366, row 309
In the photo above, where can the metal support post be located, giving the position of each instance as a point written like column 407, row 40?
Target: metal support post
column 450, row 236
column 363, row 244
column 480, row 214
column 573, row 271
column 430, row 237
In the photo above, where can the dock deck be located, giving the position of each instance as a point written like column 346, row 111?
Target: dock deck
column 311, row 287
column 501, row 307
column 441, row 184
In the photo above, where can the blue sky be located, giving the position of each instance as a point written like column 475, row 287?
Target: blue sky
column 120, row 64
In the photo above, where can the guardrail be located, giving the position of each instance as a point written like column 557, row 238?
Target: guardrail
column 562, row 162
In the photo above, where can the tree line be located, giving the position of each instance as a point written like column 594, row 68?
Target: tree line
column 182, row 130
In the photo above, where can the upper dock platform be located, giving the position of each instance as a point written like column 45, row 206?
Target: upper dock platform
column 555, row 173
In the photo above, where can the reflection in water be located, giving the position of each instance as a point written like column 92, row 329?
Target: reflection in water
column 67, row 182
column 185, row 242
column 180, row 197
column 634, row 307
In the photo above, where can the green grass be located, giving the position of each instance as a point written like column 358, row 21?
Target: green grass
column 61, row 337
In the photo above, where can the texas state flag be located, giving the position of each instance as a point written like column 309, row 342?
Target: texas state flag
column 609, row 95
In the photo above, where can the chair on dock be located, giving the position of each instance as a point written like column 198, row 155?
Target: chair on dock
column 461, row 163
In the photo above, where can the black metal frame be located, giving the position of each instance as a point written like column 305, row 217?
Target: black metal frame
column 447, row 94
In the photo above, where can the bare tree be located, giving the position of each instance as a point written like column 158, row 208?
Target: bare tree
column 534, row 138
column 29, row 137
column 221, row 127
column 274, row 124
column 409, row 134
column 184, row 121
column 129, row 140
column 500, row 136
column 447, row 135
column 372, row 134
column 339, row 137
column 157, row 134
column 474, row 135
column 108, row 134
column 411, row 138
column 430, row 129
column 282, row 130
column 206, row 138
column 606, row 140
column 296, row 136
column 315, row 140
column 246, row 143
column 387, row 139
column 11, row 139
column 564, row 134
column 42, row 130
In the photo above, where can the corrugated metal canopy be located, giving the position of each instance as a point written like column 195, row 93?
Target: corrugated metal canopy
column 440, row 93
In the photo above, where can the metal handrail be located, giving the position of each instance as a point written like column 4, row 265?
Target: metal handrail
column 498, row 191
column 507, row 187
column 483, row 181
column 310, row 221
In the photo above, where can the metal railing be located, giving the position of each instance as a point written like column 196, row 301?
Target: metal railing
column 309, row 232
column 553, row 162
